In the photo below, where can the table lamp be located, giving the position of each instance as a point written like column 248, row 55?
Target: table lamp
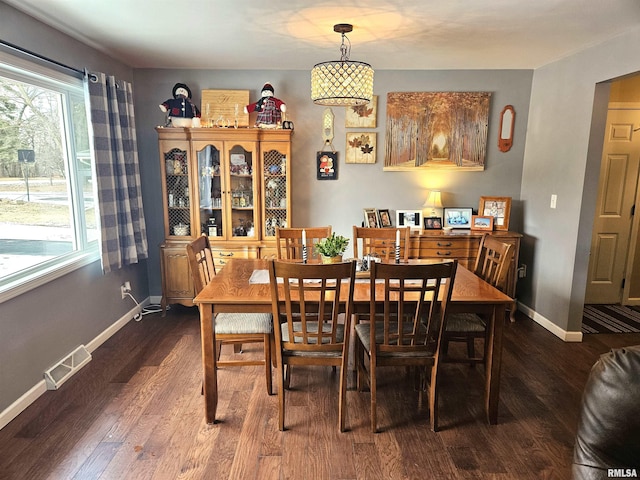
column 434, row 201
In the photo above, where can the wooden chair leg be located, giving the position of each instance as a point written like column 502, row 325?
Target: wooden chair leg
column 267, row 363
column 433, row 398
column 342, row 399
column 373, row 389
column 280, row 374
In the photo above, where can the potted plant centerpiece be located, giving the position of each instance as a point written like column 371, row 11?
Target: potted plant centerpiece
column 331, row 248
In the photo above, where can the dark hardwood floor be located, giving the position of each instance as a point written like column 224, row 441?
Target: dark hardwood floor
column 135, row 412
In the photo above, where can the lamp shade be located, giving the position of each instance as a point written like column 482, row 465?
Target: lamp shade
column 341, row 83
column 434, row 200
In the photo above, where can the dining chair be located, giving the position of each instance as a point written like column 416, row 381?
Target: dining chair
column 231, row 328
column 406, row 329
column 289, row 241
column 381, row 242
column 312, row 305
column 492, row 265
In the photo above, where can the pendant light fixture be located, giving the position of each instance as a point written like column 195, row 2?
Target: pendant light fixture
column 343, row 82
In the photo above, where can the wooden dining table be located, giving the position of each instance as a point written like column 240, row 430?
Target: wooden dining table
column 231, row 291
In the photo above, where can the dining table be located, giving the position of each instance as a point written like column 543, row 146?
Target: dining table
column 243, row 286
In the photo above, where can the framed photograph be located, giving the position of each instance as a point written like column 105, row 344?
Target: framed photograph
column 433, row 223
column 457, row 217
column 361, row 147
column 371, row 218
column 362, row 116
column 409, row 218
column 479, row 222
column 497, row 207
column 327, row 165
column 384, row 219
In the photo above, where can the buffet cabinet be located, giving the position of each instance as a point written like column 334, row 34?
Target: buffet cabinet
column 233, row 184
column 463, row 245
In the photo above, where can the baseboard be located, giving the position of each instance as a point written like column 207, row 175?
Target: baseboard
column 17, row 407
column 549, row 325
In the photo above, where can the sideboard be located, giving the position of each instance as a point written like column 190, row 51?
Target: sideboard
column 463, row 245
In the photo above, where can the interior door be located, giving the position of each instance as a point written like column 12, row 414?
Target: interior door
column 614, row 209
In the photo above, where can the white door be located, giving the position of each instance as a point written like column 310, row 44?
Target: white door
column 614, row 209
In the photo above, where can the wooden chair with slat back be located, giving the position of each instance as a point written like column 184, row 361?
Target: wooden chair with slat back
column 309, row 331
column 381, row 242
column 289, row 241
column 407, row 328
column 232, row 328
column 492, row 265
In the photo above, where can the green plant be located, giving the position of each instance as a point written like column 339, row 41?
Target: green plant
column 332, row 246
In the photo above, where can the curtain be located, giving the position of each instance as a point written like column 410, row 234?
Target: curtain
column 122, row 225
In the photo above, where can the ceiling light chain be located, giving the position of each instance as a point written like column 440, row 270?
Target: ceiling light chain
column 342, row 82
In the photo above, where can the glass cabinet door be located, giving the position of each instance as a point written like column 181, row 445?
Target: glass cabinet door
column 242, row 192
column 177, row 190
column 210, row 189
column 275, row 188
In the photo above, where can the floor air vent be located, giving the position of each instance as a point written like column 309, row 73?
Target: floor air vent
column 60, row 373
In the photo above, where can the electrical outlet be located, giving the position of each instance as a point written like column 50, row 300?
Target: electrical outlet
column 522, row 271
column 124, row 289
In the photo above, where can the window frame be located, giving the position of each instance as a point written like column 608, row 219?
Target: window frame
column 71, row 86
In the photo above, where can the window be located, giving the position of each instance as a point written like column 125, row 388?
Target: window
column 48, row 220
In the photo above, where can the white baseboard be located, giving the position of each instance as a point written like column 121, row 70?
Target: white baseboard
column 549, row 325
column 17, row 407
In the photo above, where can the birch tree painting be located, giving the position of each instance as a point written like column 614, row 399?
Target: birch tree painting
column 436, row 130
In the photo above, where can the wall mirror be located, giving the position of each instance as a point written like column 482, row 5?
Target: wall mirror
column 507, row 117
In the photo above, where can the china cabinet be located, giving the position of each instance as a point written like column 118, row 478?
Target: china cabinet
column 233, row 184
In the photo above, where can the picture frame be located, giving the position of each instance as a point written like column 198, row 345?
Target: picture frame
column 497, row 207
column 327, row 165
column 362, row 116
column 457, row 217
column 480, row 222
column 384, row 218
column 433, row 223
column 371, row 218
column 409, row 218
column 361, row 147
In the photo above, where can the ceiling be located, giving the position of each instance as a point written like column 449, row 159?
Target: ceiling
column 296, row 34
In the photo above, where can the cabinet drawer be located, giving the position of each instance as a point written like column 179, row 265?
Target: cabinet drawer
column 223, row 254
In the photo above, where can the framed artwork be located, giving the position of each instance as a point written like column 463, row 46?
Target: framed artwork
column 361, row 147
column 371, row 218
column 479, row 222
column 497, row 207
column 362, row 116
column 444, row 130
column 384, row 219
column 327, row 165
column 457, row 217
column 224, row 107
column 433, row 223
column 409, row 218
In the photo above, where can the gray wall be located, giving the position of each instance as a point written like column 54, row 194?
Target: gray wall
column 40, row 327
column 562, row 157
column 340, row 202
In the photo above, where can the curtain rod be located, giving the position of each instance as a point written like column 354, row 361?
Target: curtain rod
column 24, row 51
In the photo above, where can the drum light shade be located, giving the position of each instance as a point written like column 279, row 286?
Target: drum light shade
column 342, row 82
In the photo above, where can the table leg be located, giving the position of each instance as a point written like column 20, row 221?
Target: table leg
column 209, row 373
column 493, row 363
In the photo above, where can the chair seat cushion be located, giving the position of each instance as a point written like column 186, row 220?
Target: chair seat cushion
column 465, row 322
column 238, row 323
column 363, row 330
